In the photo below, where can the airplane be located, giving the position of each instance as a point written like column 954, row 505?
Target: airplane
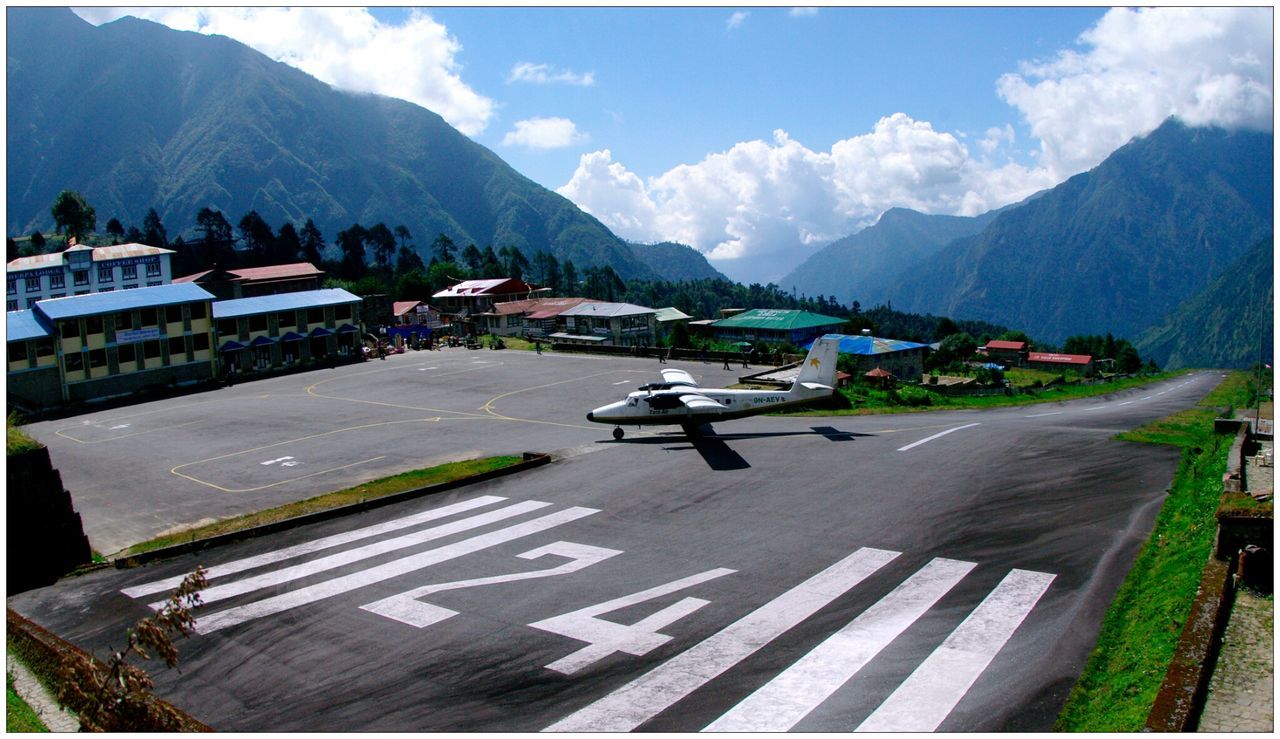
column 679, row 400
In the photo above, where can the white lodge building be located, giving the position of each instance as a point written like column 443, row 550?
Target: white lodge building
column 80, row 270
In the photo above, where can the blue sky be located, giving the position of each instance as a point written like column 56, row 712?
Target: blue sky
column 759, row 134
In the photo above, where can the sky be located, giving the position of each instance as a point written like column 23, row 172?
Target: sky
column 760, row 134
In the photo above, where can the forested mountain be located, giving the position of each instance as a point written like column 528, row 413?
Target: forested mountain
column 136, row 116
column 1221, row 326
column 869, row 264
column 1113, row 250
column 672, row 261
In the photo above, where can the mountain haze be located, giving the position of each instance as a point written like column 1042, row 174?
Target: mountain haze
column 135, row 116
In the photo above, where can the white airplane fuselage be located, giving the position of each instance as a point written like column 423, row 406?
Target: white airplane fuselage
column 642, row 408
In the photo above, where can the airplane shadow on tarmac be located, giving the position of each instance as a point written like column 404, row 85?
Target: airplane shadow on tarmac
column 718, row 455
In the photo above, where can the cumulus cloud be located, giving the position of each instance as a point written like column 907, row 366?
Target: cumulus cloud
column 759, row 208
column 803, row 12
column 545, row 74
column 736, row 19
column 544, row 133
column 345, row 47
column 1207, row 66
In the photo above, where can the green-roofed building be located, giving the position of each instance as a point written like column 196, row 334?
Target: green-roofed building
column 775, row 326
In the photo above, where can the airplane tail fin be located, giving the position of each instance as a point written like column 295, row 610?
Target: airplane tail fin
column 819, row 367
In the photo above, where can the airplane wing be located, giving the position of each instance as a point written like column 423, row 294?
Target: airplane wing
column 678, row 377
column 700, row 403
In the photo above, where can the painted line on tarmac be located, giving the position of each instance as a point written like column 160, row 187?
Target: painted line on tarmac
column 782, row 702
column 209, row 623
column 316, row 545
column 925, row 699
column 938, row 435
column 653, row 692
column 1042, row 415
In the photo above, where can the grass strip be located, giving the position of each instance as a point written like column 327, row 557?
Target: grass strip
column 1142, row 626
column 448, row 472
column 20, row 717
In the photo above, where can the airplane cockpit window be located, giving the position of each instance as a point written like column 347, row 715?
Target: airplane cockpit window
column 631, row 402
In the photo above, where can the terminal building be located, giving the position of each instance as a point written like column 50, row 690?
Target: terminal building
column 287, row 329
column 82, row 270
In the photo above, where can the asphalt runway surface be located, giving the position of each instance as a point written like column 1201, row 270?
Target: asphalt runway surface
column 936, row 571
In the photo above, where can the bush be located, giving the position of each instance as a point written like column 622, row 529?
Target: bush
column 18, row 440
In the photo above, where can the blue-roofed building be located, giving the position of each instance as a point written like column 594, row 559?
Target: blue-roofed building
column 102, row 345
column 905, row 359
column 256, row 334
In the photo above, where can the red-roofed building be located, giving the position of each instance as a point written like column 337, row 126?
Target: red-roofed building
column 470, row 297
column 252, row 282
column 1010, row 352
column 1082, row 363
column 415, row 313
column 533, row 317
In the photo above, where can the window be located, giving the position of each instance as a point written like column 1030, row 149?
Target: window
column 153, row 269
column 151, row 349
column 106, row 273
column 69, row 329
column 227, row 327
column 126, row 355
column 44, row 347
column 315, row 315
column 80, row 277
column 342, row 312
column 148, row 316
column 197, row 311
column 154, row 284
column 105, row 289
column 93, row 325
column 57, row 281
column 31, row 302
column 200, row 342
column 129, row 287
column 258, row 322
column 17, row 351
column 173, row 314
column 11, row 305
column 33, row 283
column 129, row 272
column 57, row 295
column 178, row 349
column 13, row 285
column 123, row 321
column 73, row 362
column 97, row 358
column 286, row 318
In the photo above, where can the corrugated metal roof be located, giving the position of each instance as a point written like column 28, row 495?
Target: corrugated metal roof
column 100, row 254
column 401, row 307
column 277, row 271
column 609, row 310
column 1016, row 346
column 1059, row 358
column 671, row 314
column 119, row 300
column 777, row 319
column 25, row 324
column 283, row 301
column 468, row 288
column 871, row 345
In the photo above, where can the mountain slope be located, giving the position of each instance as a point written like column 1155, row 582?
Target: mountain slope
column 1221, row 326
column 675, row 262
column 868, row 264
column 135, row 115
column 1115, row 249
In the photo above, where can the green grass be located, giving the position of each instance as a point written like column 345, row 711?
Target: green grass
column 19, row 717
column 18, row 441
column 1142, row 626
column 372, row 490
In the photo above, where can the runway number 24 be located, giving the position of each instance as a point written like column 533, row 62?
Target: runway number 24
column 603, row 637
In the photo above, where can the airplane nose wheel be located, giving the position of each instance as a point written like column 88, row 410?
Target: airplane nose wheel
column 617, row 433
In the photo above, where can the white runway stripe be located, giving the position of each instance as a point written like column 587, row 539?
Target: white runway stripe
column 938, row 435
column 928, row 696
column 648, row 695
column 341, row 559
column 208, row 623
column 782, row 702
column 316, row 545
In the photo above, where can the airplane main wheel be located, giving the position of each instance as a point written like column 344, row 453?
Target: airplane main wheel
column 617, row 433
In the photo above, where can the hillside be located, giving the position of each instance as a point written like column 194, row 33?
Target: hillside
column 1116, row 249
column 1221, row 326
column 868, row 264
column 672, row 261
column 136, row 116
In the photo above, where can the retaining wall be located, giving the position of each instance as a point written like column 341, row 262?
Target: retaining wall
column 45, row 539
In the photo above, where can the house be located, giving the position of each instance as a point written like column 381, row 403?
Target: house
column 903, row 359
column 249, row 282
column 281, row 330
column 1012, row 353
column 102, row 345
column 667, row 319
column 82, row 270
column 535, row 317
column 778, row 326
column 1082, row 363
column 472, row 297
column 609, row 324
column 415, row 313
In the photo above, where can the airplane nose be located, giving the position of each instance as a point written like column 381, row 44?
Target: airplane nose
column 591, row 416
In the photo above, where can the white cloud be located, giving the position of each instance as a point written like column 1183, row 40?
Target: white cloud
column 1208, row 66
column 544, row 133
column 803, row 12
column 759, row 208
column 545, row 74
column 736, row 19
column 345, row 47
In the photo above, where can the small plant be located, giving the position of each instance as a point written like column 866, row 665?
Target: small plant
column 117, row 696
column 17, row 440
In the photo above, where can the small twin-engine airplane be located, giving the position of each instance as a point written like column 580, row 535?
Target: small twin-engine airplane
column 679, row 400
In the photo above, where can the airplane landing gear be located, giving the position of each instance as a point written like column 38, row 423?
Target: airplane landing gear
column 617, row 433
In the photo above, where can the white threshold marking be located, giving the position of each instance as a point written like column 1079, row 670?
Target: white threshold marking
column 786, row 699
column 925, row 699
column 623, row 382
column 316, row 545
column 1042, row 415
column 938, row 435
column 341, row 559
column 653, row 692
column 339, row 585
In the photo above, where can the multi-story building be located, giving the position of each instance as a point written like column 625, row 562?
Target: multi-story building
column 250, row 282
column 776, row 326
column 616, row 324
column 82, row 270
column 268, row 331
